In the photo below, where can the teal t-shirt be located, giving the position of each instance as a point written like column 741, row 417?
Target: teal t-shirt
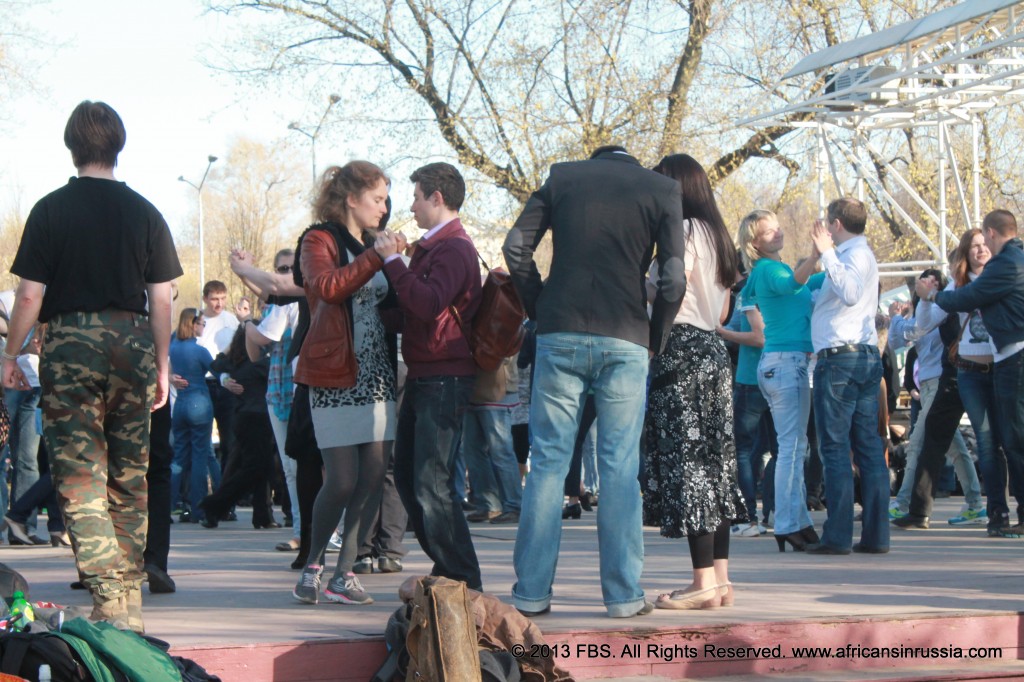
column 785, row 306
column 749, row 356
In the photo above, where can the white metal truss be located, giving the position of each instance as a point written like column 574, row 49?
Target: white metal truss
column 938, row 72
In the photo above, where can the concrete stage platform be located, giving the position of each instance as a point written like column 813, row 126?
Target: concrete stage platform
column 947, row 590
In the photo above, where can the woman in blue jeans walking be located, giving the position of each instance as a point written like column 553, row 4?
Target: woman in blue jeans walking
column 785, row 306
column 192, row 416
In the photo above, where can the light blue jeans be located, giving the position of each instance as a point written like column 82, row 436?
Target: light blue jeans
column 782, row 377
column 567, row 366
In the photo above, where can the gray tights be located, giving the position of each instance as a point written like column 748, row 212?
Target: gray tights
column 353, row 478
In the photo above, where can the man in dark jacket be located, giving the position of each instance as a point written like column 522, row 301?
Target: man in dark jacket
column 606, row 215
column 443, row 274
column 998, row 293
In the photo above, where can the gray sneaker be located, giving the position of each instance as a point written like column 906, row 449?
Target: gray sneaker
column 307, row 590
column 347, row 590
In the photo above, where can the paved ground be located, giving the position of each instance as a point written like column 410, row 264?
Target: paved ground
column 234, row 588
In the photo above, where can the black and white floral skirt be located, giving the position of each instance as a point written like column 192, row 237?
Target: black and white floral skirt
column 691, row 482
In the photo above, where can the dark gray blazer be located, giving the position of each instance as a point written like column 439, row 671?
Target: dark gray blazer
column 606, row 216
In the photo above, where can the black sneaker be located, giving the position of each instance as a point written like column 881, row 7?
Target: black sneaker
column 911, row 521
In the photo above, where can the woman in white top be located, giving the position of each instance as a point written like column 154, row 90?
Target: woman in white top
column 691, row 488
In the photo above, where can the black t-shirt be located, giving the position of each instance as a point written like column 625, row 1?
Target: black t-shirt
column 95, row 244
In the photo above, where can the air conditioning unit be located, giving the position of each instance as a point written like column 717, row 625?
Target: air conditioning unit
column 879, row 93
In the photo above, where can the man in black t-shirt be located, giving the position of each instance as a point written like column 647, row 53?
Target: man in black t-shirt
column 96, row 261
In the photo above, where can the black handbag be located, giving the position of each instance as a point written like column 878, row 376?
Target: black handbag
column 300, row 441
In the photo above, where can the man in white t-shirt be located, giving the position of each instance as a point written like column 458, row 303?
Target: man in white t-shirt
column 220, row 328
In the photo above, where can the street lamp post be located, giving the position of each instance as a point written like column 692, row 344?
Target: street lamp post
column 331, row 101
column 199, row 189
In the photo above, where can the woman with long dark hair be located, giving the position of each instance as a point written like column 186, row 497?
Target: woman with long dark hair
column 253, row 436
column 344, row 361
column 691, row 487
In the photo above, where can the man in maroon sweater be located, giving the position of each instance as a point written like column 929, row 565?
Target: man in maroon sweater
column 442, row 274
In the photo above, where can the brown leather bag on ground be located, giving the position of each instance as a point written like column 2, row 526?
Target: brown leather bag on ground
column 442, row 641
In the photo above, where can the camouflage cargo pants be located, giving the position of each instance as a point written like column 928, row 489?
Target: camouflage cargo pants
column 98, row 375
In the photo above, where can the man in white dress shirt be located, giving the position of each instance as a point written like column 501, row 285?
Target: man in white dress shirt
column 847, row 379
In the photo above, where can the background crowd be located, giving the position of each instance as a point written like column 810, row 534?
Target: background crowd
column 672, row 369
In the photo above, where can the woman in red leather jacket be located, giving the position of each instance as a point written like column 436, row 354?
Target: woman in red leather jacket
column 344, row 361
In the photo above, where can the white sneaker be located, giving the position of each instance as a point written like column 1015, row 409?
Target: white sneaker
column 752, row 530
column 334, row 544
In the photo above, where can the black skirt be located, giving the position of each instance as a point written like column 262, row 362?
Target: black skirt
column 691, row 485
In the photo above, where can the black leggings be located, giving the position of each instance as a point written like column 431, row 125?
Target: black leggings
column 353, row 479
column 521, row 442
column 708, row 548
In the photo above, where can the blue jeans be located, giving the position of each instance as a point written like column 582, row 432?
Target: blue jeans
column 192, row 426
column 567, row 366
column 751, row 416
column 977, row 393
column 1008, row 381
column 846, row 416
column 782, row 377
column 491, row 461
column 24, row 439
column 429, row 428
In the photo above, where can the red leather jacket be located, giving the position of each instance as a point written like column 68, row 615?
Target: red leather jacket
column 327, row 358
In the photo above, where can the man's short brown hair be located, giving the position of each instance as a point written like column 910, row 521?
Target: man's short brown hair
column 95, row 134
column 444, row 178
column 214, row 286
column 1002, row 222
column 850, row 212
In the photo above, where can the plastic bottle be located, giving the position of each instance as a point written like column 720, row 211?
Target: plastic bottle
column 44, row 673
column 21, row 612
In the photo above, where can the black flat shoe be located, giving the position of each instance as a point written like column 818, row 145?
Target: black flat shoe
column 159, row 581
column 911, row 521
column 795, row 539
column 861, row 548
column 208, row 522
column 588, row 500
column 825, row 549
column 229, row 516
column 572, row 511
column 270, row 524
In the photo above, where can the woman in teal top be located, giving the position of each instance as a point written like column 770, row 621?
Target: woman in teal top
column 785, row 306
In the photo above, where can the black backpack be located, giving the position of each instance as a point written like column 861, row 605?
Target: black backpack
column 21, row 653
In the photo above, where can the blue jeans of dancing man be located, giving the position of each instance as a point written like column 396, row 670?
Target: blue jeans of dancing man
column 846, row 416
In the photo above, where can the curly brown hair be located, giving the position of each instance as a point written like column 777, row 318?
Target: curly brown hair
column 338, row 183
